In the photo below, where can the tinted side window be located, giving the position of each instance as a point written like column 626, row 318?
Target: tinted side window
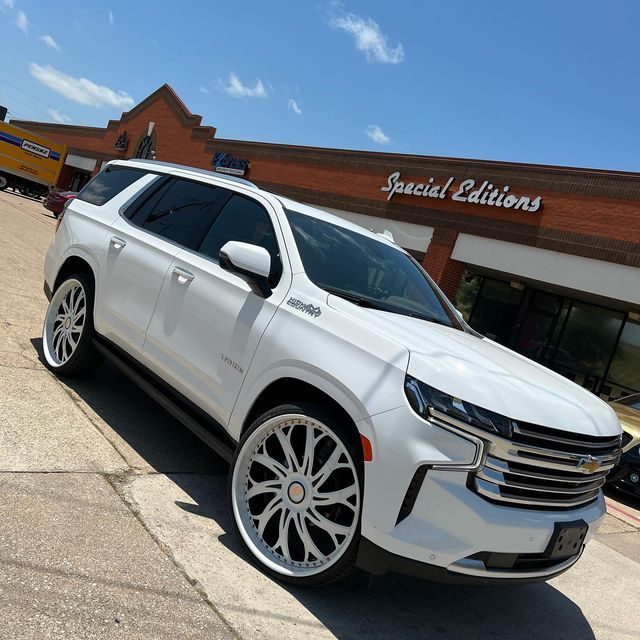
column 244, row 220
column 181, row 211
column 108, row 184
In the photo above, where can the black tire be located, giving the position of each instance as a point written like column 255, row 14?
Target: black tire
column 4, row 183
column 338, row 429
column 84, row 357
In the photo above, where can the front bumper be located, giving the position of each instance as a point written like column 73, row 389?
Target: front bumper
column 441, row 529
column 378, row 561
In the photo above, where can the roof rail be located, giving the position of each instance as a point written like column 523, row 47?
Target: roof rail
column 182, row 167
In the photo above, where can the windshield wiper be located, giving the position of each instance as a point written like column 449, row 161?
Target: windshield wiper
column 420, row 316
column 353, row 297
column 372, row 304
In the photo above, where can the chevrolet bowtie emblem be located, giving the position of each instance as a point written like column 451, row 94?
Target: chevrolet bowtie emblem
column 588, row 464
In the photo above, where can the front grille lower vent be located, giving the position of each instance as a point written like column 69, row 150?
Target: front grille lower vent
column 545, row 468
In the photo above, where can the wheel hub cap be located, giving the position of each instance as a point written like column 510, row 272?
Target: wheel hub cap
column 296, row 492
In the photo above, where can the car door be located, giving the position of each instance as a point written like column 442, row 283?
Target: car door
column 141, row 247
column 208, row 322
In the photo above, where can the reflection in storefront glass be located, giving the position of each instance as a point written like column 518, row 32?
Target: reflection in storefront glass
column 467, row 293
column 588, row 339
column 580, row 340
column 625, row 368
column 495, row 311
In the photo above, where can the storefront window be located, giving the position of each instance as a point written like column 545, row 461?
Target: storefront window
column 495, row 311
column 625, row 367
column 587, row 341
column 595, row 347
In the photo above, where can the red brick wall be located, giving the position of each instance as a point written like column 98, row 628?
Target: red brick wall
column 358, row 179
column 438, row 263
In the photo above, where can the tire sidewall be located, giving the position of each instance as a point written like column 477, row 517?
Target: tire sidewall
column 343, row 565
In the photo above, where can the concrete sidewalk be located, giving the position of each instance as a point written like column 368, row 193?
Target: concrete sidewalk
column 75, row 562
column 114, row 521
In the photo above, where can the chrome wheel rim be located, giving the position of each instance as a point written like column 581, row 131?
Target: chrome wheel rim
column 296, row 495
column 64, row 322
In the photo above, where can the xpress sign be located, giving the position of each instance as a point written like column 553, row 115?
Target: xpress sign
column 470, row 191
column 226, row 163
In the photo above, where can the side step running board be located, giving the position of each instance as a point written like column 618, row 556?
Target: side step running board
column 167, row 403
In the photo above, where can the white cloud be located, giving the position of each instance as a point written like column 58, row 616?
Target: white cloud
column 236, row 89
column 8, row 4
column 111, row 18
column 79, row 90
column 294, row 106
column 21, row 21
column 374, row 132
column 204, row 90
column 50, row 42
column 58, row 116
column 369, row 38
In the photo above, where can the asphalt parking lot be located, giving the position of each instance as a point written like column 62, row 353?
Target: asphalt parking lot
column 114, row 523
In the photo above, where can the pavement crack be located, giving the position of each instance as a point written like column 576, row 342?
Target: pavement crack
column 78, row 403
column 118, row 482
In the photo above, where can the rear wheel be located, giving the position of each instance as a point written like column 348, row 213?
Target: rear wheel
column 3, row 183
column 295, row 491
column 68, row 328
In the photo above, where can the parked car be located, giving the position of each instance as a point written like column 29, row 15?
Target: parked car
column 56, row 201
column 366, row 424
column 626, row 475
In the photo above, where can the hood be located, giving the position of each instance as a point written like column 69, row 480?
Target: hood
column 629, row 417
column 490, row 375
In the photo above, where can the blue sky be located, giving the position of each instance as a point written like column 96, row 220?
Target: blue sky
column 552, row 82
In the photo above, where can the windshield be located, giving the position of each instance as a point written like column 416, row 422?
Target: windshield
column 365, row 271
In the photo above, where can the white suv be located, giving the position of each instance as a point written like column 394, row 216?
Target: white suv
column 365, row 422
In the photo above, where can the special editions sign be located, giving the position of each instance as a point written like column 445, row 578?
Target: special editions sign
column 486, row 194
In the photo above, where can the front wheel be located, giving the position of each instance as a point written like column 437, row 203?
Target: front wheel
column 68, row 328
column 4, row 183
column 295, row 492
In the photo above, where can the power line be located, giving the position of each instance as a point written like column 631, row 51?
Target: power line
column 24, row 104
column 26, row 93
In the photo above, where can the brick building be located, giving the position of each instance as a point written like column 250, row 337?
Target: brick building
column 543, row 259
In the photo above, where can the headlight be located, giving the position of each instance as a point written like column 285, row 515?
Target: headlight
column 422, row 398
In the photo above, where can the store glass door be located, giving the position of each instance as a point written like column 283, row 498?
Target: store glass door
column 536, row 324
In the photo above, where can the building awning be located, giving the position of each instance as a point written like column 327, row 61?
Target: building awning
column 80, row 162
column 601, row 278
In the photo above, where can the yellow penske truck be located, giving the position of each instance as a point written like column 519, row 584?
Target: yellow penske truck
column 29, row 163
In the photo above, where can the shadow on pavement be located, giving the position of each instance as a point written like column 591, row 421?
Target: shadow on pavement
column 394, row 607
column 623, row 497
column 403, row 607
column 159, row 439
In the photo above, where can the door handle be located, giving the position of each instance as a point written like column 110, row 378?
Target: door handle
column 118, row 243
column 183, row 275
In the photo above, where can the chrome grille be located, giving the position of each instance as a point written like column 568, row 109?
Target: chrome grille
column 545, row 468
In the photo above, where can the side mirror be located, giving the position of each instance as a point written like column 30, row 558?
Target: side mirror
column 249, row 261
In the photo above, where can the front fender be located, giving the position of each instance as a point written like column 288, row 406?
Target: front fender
column 305, row 372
